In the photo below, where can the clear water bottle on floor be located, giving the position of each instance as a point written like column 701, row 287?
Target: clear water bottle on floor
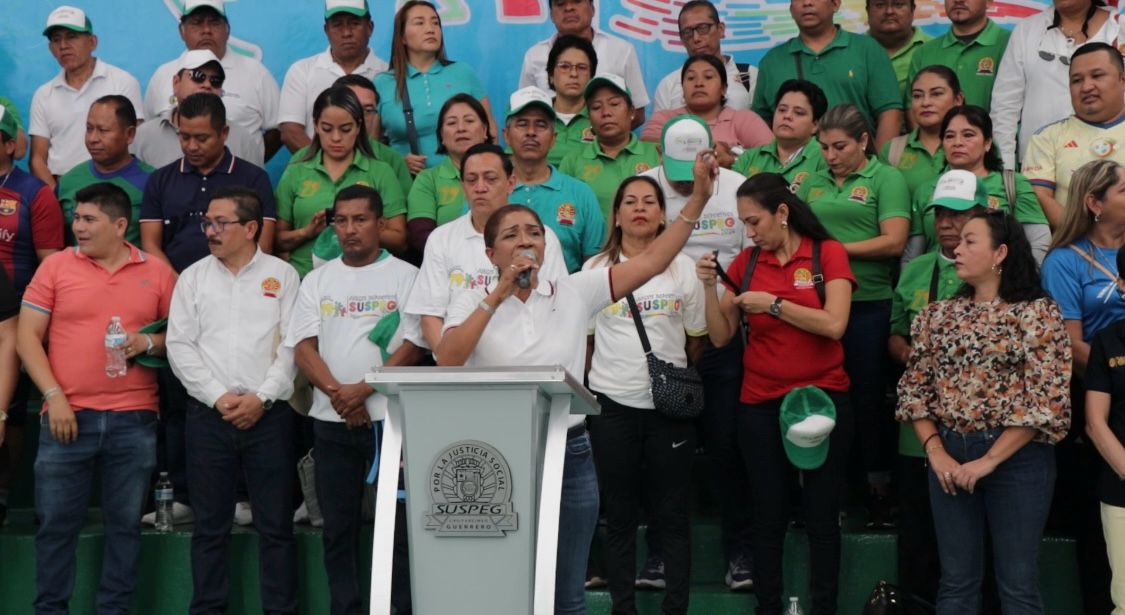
column 794, row 606
column 115, row 348
column 163, row 496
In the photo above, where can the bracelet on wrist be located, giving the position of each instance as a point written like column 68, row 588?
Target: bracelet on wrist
column 3, row 416
column 930, row 437
column 487, row 309
column 151, row 344
column 51, row 392
column 933, row 447
column 687, row 219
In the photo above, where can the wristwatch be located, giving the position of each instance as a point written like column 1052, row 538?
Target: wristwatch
column 267, row 403
column 775, row 308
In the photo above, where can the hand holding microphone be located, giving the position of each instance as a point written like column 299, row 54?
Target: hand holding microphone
column 523, row 280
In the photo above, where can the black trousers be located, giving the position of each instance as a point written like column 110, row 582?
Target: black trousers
column 772, row 477
column 634, row 448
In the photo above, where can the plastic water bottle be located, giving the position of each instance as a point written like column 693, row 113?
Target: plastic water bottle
column 163, row 496
column 794, row 606
column 115, row 348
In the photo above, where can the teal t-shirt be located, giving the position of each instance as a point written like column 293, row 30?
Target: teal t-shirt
column 131, row 178
column 570, row 208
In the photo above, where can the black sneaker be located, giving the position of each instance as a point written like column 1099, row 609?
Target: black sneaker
column 595, row 581
column 652, row 575
column 740, row 572
column 879, row 513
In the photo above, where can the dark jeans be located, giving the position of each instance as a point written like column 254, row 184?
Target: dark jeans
column 171, row 453
column 122, row 446
column 721, row 370
column 217, row 454
column 342, row 456
column 635, row 449
column 1012, row 503
column 865, row 360
column 772, row 477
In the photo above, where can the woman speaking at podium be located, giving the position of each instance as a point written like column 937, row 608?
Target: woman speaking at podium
column 522, row 320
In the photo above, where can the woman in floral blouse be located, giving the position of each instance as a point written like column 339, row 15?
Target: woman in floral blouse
column 987, row 391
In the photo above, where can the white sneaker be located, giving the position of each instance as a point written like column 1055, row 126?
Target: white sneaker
column 301, row 515
column 181, row 513
column 243, row 514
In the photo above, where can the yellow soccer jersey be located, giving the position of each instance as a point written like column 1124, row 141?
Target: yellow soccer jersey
column 1058, row 149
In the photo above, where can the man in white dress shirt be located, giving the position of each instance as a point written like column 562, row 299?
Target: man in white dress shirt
column 455, row 260
column 250, row 92
column 58, row 107
column 230, row 312
column 615, row 55
column 348, row 26
column 348, row 318
column 702, row 33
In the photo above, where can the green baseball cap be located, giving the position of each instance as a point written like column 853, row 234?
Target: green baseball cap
column 8, row 124
column 682, row 138
column 70, row 18
column 807, row 418
column 959, row 190
column 351, row 7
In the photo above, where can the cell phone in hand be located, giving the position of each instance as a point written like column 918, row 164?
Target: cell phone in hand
column 722, row 274
column 329, row 216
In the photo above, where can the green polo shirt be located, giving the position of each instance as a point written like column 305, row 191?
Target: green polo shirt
column 436, row 194
column 1027, row 209
column 852, row 212
column 853, row 68
column 588, row 163
column 917, row 165
column 570, row 208
column 383, row 153
column 306, row 188
column 571, row 137
column 975, row 63
column 764, row 159
column 900, row 61
column 911, row 295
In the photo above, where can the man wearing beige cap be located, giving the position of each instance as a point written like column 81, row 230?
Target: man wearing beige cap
column 250, row 92
column 158, row 141
column 348, row 26
column 57, row 132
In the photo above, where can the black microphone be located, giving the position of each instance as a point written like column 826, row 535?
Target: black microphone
column 523, row 280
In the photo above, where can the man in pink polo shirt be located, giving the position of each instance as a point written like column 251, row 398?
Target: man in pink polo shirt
column 90, row 419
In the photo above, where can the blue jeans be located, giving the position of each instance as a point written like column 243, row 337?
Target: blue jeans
column 1011, row 504
column 578, row 517
column 122, row 445
column 218, row 453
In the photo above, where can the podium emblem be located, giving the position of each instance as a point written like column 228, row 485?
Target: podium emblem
column 471, row 490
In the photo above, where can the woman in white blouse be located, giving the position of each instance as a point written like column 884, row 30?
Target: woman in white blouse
column 1033, row 74
column 545, row 323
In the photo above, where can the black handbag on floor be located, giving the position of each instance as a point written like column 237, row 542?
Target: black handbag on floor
column 677, row 392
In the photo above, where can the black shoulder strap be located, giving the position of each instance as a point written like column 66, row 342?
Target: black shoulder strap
column 408, row 113
column 744, row 321
column 637, row 321
column 817, row 273
column 743, row 74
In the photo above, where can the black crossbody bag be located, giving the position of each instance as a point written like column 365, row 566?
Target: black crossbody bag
column 677, row 392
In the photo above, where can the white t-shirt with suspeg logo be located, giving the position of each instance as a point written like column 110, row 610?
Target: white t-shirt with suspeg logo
column 719, row 227
column 671, row 306
column 340, row 305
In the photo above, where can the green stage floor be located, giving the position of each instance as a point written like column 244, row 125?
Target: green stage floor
column 164, row 584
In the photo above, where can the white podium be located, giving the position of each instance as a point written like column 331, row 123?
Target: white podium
column 483, row 453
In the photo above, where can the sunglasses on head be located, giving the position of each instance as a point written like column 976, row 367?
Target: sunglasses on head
column 198, row 76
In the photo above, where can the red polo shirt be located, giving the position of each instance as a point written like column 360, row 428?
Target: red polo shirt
column 780, row 357
column 81, row 297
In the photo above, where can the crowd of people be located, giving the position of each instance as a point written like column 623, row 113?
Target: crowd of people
column 893, row 261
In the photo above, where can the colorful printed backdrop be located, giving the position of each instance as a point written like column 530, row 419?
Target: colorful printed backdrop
column 491, row 35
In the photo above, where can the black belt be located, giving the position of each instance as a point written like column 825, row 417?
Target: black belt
column 577, row 430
